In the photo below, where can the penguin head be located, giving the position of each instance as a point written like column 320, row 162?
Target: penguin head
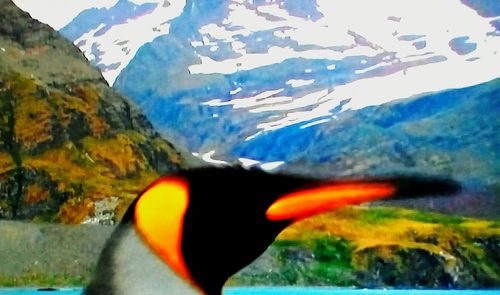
column 208, row 224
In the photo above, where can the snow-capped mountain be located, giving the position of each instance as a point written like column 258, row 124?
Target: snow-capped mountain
column 344, row 87
column 322, row 55
column 248, row 68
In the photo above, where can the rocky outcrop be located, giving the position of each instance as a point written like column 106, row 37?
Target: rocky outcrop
column 464, row 266
column 71, row 148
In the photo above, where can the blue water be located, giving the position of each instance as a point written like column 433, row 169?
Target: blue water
column 286, row 291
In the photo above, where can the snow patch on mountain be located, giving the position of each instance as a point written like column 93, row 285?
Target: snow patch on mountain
column 452, row 48
column 125, row 28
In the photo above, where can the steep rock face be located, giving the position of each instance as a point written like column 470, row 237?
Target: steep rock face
column 71, row 149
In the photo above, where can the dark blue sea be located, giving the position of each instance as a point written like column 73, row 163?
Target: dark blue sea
column 284, row 291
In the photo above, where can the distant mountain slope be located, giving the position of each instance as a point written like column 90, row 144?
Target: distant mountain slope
column 243, row 69
column 71, row 148
column 452, row 133
column 315, row 86
column 110, row 37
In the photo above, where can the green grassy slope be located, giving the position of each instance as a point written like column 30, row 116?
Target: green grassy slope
column 382, row 247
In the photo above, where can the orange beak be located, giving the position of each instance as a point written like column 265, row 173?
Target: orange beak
column 308, row 202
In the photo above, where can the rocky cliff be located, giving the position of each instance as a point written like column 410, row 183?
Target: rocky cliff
column 71, row 148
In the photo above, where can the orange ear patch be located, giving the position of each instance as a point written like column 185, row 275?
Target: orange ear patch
column 159, row 218
column 309, row 202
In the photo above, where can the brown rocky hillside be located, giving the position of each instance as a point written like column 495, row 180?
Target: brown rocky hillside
column 72, row 150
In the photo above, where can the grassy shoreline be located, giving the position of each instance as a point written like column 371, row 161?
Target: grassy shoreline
column 344, row 248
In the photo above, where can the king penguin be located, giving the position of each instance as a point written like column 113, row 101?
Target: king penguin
column 188, row 233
